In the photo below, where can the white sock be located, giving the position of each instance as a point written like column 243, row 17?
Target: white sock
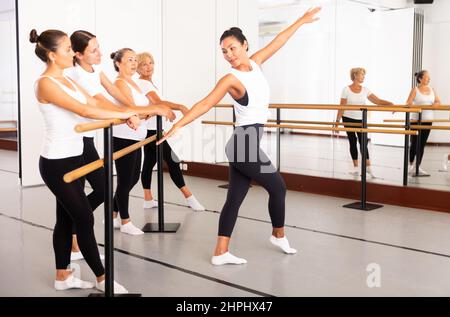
column 118, row 289
column 116, row 222
column 72, row 282
column 283, row 244
column 75, row 256
column 131, row 229
column 227, row 258
column 194, row 204
column 149, row 204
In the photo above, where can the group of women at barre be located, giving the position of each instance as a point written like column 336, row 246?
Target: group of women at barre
column 73, row 89
column 357, row 94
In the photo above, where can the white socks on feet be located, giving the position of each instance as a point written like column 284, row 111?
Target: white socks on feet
column 149, row 204
column 227, row 258
column 75, row 256
column 131, row 229
column 118, row 289
column 194, row 204
column 72, row 282
column 283, row 244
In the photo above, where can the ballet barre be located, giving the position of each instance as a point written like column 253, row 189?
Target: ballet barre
column 358, row 128
column 107, row 163
column 308, row 127
column 8, row 129
column 91, row 167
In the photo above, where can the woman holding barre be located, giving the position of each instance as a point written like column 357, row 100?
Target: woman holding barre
column 63, row 105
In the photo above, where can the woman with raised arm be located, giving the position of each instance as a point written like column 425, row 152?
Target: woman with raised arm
column 250, row 90
column 63, row 104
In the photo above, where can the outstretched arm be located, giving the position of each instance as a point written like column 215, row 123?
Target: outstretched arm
column 379, row 101
column 280, row 40
column 203, row 105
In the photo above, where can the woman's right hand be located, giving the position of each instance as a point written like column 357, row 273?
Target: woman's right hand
column 165, row 111
column 336, row 125
column 134, row 122
column 168, row 134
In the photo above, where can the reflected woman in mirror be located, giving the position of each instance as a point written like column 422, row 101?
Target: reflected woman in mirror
column 422, row 95
column 357, row 94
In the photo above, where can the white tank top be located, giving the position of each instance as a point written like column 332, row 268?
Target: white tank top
column 123, row 131
column 60, row 139
column 358, row 99
column 424, row 100
column 147, row 87
column 258, row 92
column 90, row 82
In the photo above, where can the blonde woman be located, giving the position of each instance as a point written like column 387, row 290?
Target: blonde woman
column 145, row 70
column 357, row 94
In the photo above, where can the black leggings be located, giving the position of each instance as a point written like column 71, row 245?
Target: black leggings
column 424, row 134
column 354, row 138
column 96, row 179
column 128, row 169
column 248, row 162
column 72, row 207
column 171, row 159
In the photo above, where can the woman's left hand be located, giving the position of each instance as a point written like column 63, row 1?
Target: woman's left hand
column 309, row 16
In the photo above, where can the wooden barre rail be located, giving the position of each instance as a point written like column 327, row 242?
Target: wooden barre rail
column 374, row 125
column 8, row 129
column 423, row 121
column 300, row 127
column 338, row 107
column 101, row 124
column 89, row 168
column 350, row 124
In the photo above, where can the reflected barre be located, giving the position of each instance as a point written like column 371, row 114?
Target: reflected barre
column 89, row 168
column 397, row 108
column 350, row 124
column 307, row 127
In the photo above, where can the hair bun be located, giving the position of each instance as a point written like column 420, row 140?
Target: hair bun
column 113, row 55
column 34, row 37
column 236, row 29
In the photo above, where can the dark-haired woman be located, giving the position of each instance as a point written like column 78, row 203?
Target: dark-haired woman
column 129, row 167
column 88, row 74
column 249, row 88
column 63, row 104
column 422, row 95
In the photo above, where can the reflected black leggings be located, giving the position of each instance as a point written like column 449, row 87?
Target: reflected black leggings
column 128, row 169
column 354, row 138
column 72, row 208
column 171, row 159
column 424, row 134
column 248, row 162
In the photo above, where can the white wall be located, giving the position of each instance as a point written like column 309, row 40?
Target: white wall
column 436, row 58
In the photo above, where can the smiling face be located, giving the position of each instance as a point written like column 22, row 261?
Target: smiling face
column 63, row 56
column 425, row 81
column 359, row 77
column 128, row 65
column 233, row 51
column 146, row 67
column 92, row 54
